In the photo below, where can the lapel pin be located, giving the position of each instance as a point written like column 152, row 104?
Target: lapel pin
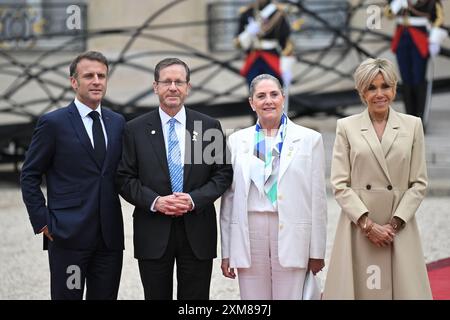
column 153, row 132
column 194, row 135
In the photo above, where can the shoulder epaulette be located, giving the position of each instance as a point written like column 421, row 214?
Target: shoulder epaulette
column 282, row 7
column 244, row 8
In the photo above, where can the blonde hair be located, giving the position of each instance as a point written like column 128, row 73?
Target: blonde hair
column 369, row 69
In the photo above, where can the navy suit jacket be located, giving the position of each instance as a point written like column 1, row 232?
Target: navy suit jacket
column 82, row 200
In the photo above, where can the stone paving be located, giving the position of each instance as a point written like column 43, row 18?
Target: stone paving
column 24, row 265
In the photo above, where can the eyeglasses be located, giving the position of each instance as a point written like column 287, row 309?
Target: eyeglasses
column 168, row 83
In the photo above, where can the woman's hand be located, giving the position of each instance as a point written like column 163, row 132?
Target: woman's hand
column 381, row 236
column 226, row 270
column 316, row 265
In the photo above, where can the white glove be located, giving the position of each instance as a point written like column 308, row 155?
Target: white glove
column 434, row 49
column 268, row 10
column 247, row 36
column 252, row 27
column 437, row 35
column 286, row 75
column 286, row 64
column 397, row 5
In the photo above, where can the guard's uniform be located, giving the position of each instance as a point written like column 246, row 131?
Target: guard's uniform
column 263, row 54
column 410, row 44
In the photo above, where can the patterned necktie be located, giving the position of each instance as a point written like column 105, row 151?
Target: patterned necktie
column 174, row 159
column 99, row 138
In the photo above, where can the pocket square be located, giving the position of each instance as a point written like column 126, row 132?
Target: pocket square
column 311, row 290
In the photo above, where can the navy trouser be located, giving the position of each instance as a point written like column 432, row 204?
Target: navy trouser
column 260, row 67
column 99, row 268
column 411, row 64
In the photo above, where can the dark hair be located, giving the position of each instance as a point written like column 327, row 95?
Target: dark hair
column 170, row 62
column 89, row 55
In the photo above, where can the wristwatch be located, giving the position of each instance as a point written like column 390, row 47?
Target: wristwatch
column 396, row 223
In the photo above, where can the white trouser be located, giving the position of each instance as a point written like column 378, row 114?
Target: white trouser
column 266, row 279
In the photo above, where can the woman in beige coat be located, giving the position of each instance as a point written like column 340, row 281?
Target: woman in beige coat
column 379, row 178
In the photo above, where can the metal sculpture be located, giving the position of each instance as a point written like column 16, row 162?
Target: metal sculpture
column 322, row 80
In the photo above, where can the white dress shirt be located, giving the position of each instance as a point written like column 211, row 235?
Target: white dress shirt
column 180, row 131
column 84, row 111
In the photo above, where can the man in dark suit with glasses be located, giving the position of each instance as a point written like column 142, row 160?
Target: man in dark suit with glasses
column 172, row 170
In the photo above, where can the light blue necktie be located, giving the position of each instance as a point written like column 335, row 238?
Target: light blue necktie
column 174, row 159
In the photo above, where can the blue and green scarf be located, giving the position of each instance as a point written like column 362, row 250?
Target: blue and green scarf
column 264, row 172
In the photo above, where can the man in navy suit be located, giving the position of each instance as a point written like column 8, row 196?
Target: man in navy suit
column 173, row 168
column 77, row 149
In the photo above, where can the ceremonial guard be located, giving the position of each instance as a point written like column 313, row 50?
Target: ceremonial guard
column 417, row 38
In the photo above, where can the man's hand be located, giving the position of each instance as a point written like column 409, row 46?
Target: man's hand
column 175, row 204
column 316, row 265
column 226, row 270
column 47, row 233
column 185, row 198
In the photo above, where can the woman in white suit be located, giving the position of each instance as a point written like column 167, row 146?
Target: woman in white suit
column 379, row 177
column 273, row 217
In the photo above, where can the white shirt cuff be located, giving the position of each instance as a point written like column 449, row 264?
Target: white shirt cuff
column 152, row 207
column 192, row 201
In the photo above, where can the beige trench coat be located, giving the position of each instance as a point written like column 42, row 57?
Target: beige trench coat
column 386, row 179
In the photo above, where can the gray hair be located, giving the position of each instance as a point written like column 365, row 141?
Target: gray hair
column 262, row 77
column 369, row 69
column 167, row 62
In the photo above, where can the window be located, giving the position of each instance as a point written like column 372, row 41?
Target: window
column 36, row 25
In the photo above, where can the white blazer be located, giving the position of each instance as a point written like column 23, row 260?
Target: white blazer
column 302, row 203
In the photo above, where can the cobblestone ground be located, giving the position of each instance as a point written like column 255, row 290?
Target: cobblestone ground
column 24, row 266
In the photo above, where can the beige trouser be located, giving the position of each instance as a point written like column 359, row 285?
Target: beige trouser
column 266, row 279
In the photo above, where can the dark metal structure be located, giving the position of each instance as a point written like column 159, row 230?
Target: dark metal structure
column 328, row 47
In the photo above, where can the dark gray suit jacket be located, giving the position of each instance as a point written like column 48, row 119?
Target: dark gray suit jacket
column 143, row 175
